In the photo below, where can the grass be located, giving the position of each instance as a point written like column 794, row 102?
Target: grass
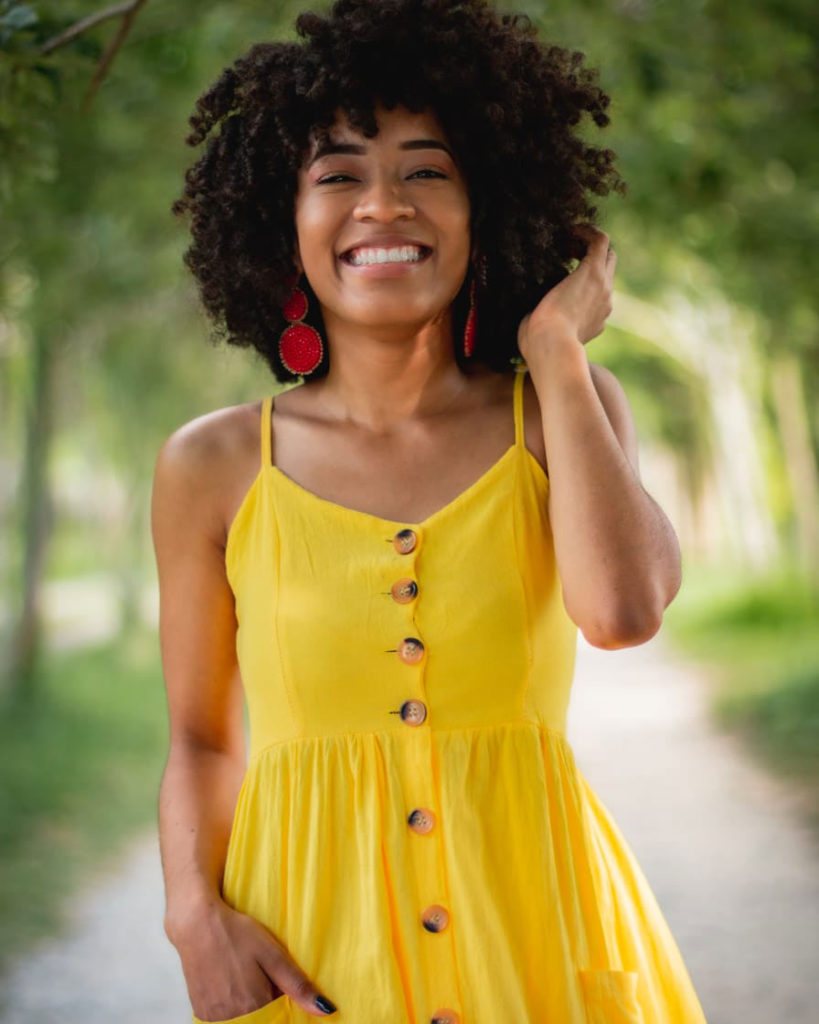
column 759, row 641
column 79, row 776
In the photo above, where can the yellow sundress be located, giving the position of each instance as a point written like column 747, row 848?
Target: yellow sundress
column 412, row 824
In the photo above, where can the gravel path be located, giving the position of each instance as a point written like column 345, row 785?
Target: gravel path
column 721, row 843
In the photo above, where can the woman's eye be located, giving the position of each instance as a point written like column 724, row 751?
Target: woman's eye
column 332, row 178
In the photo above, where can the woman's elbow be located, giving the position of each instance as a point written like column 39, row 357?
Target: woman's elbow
column 623, row 626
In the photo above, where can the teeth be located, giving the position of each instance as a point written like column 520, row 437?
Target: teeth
column 405, row 254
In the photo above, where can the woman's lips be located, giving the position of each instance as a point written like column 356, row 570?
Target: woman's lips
column 387, row 269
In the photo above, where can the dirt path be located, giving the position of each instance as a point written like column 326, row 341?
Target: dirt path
column 721, row 843
column 734, row 867
column 115, row 965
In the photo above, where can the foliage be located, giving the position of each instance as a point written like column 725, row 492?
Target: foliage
column 713, row 130
column 758, row 639
column 784, row 720
column 78, row 776
column 729, row 606
column 715, row 112
column 666, row 398
column 32, row 87
column 781, row 724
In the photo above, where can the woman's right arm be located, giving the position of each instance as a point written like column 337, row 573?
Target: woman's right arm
column 206, row 758
column 232, row 964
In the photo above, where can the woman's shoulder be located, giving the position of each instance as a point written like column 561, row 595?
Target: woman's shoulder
column 213, row 438
column 208, row 460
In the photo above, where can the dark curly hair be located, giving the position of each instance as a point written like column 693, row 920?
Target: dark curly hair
column 509, row 104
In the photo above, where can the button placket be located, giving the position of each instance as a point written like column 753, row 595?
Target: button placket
column 404, row 590
column 433, row 916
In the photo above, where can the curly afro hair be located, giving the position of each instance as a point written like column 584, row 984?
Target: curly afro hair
column 509, row 104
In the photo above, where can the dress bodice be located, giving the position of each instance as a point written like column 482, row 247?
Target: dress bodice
column 345, row 616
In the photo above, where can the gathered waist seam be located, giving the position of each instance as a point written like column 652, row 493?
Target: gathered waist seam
column 365, row 733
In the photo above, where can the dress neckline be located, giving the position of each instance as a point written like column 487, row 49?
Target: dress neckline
column 268, row 469
column 455, row 503
column 302, row 493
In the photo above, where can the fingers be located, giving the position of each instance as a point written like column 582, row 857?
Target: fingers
column 600, row 262
column 600, row 253
column 611, row 266
column 598, row 243
column 284, row 972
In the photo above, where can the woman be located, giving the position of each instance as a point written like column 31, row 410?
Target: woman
column 397, row 553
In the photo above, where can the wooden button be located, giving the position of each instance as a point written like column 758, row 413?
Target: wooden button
column 422, row 820
column 413, row 712
column 410, row 650
column 405, row 541
column 435, row 918
column 445, row 1016
column 404, row 590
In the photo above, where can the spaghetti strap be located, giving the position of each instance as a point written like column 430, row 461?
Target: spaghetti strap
column 267, row 408
column 520, row 372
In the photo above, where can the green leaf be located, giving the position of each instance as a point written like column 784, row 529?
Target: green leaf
column 53, row 75
column 19, row 17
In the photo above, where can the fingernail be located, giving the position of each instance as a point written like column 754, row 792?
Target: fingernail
column 323, row 1003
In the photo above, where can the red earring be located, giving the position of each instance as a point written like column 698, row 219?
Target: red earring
column 471, row 327
column 479, row 273
column 300, row 346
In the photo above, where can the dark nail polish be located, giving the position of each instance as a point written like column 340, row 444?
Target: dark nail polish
column 323, row 1003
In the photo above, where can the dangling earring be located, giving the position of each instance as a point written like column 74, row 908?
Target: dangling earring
column 471, row 326
column 300, row 346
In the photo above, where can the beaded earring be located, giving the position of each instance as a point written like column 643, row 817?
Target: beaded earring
column 471, row 326
column 300, row 346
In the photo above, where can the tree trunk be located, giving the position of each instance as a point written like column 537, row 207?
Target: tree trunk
column 716, row 341
column 129, row 577
column 787, row 390
column 36, row 519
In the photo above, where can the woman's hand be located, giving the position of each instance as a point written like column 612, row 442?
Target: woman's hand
column 577, row 308
column 234, row 965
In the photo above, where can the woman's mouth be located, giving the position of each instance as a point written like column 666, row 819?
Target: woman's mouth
column 385, row 261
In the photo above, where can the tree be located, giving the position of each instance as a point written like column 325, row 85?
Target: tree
column 714, row 116
column 89, row 230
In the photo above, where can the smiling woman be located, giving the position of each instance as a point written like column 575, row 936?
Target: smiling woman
column 392, row 564
column 351, row 195
column 505, row 110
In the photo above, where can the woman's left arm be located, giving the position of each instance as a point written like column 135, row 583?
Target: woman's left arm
column 617, row 553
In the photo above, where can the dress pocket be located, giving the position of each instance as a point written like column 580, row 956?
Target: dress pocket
column 274, row 1012
column 611, row 997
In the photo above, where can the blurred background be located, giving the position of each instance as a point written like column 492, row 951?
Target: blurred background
column 714, row 335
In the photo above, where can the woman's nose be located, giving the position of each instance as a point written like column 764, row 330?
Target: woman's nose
column 385, row 199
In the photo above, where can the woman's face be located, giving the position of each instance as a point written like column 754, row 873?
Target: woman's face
column 399, row 198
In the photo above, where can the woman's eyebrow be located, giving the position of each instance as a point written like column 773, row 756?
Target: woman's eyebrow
column 332, row 148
